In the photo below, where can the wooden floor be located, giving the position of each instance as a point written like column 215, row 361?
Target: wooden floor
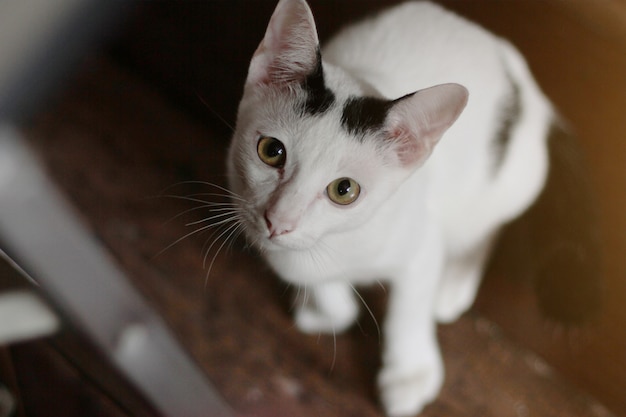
column 120, row 152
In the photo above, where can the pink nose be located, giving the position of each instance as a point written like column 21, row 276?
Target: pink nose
column 276, row 228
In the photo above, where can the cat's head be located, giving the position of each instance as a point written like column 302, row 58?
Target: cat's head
column 315, row 152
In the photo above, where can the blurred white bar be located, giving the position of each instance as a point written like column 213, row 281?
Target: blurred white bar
column 24, row 316
column 39, row 40
column 39, row 231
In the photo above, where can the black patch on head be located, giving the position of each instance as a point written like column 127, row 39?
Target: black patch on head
column 319, row 97
column 362, row 114
column 510, row 114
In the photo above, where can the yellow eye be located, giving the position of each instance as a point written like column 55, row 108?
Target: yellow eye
column 343, row 191
column 272, row 151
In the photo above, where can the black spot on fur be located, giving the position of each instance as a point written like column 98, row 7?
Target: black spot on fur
column 362, row 114
column 510, row 114
column 319, row 97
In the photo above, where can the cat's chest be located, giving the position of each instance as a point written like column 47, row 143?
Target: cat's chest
column 358, row 259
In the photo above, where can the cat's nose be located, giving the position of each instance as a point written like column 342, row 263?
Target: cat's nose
column 276, row 229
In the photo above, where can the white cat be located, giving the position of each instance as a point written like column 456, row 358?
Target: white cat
column 342, row 179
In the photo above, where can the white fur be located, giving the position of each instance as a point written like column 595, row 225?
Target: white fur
column 424, row 228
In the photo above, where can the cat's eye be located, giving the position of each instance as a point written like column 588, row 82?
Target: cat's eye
column 271, row 151
column 343, row 191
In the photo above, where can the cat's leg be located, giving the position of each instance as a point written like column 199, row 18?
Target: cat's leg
column 328, row 307
column 460, row 280
column 412, row 372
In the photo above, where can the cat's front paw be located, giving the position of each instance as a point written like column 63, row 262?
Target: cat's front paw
column 310, row 319
column 404, row 394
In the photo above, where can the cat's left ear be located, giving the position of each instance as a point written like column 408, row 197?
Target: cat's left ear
column 290, row 49
column 416, row 122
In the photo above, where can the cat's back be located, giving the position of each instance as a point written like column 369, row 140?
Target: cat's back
column 415, row 45
column 418, row 44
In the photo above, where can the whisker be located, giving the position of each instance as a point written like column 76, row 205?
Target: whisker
column 199, row 230
column 219, row 187
column 317, row 258
column 206, row 183
column 217, row 230
column 296, row 297
column 223, row 224
column 240, row 231
column 233, row 196
column 230, row 219
column 233, row 229
column 305, row 299
column 216, row 114
column 287, row 288
column 225, row 231
column 230, row 213
column 182, row 238
column 225, row 219
column 192, row 199
column 210, row 206
column 369, row 310
column 334, row 361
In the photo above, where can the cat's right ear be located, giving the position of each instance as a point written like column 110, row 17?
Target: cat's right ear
column 289, row 51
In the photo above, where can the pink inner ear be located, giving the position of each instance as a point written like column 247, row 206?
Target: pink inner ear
column 288, row 52
column 416, row 122
column 408, row 148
